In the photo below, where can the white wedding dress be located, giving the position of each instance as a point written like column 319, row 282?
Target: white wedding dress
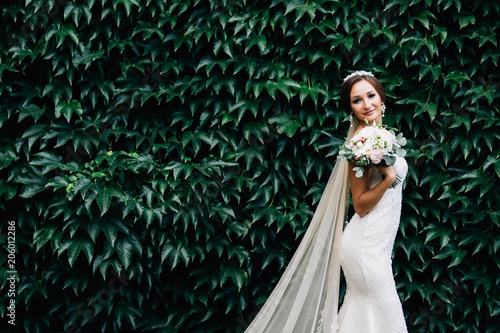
column 305, row 300
column 371, row 303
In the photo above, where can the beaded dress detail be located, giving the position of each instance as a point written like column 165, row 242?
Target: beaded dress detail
column 371, row 303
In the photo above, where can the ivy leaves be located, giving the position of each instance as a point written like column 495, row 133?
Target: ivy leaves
column 67, row 109
column 185, row 144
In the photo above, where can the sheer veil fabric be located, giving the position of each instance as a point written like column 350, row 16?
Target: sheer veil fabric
column 305, row 300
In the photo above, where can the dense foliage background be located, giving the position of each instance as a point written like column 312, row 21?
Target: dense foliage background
column 161, row 159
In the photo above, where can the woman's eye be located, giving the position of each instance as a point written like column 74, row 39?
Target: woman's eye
column 371, row 95
column 356, row 101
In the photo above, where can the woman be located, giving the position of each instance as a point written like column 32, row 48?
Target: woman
column 305, row 299
column 371, row 303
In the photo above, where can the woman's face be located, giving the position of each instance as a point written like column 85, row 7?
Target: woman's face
column 366, row 102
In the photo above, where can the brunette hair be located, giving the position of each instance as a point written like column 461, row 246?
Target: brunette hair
column 345, row 90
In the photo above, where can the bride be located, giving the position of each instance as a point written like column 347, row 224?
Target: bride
column 305, row 300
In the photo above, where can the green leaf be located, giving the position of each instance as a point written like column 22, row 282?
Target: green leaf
column 74, row 246
column 34, row 133
column 435, row 180
column 33, row 183
column 64, row 31
column 466, row 20
column 110, row 225
column 86, row 57
column 429, row 108
column 238, row 276
column 105, row 195
column 48, row 160
column 175, row 251
column 125, row 251
column 68, row 108
column 33, row 111
column 285, row 123
column 456, row 255
column 301, row 8
column 388, row 33
column 30, row 286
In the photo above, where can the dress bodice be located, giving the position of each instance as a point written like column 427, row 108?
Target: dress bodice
column 401, row 171
column 371, row 303
column 386, row 213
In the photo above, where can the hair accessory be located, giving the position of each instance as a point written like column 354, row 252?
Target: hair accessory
column 350, row 119
column 383, row 109
column 358, row 73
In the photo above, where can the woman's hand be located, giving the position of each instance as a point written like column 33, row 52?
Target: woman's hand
column 389, row 172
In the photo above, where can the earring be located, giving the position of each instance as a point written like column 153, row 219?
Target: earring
column 350, row 119
column 383, row 109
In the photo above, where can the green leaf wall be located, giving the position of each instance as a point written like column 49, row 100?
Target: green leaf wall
column 161, row 159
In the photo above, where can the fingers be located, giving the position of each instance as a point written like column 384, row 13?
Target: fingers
column 387, row 170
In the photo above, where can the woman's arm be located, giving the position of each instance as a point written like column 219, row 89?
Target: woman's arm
column 364, row 198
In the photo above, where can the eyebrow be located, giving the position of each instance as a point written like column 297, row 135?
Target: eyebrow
column 360, row 96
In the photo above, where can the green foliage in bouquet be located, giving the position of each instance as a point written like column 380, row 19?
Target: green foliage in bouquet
column 373, row 145
column 161, row 159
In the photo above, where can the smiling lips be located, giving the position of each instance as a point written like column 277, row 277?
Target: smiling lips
column 369, row 112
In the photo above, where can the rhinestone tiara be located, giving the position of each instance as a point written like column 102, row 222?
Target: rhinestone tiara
column 358, row 73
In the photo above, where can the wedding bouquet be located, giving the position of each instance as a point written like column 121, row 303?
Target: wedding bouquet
column 373, row 144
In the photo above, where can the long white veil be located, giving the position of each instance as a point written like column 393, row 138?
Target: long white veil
column 305, row 300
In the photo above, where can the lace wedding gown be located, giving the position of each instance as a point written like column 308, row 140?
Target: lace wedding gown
column 305, row 300
column 371, row 304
